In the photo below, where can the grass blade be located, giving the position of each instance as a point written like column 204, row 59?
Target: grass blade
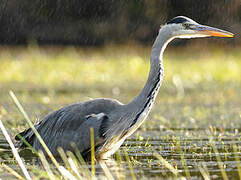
column 106, row 170
column 220, row 163
column 74, row 168
column 166, row 164
column 85, row 173
column 184, row 164
column 27, row 144
column 120, row 167
column 13, row 172
column 46, row 165
column 235, row 150
column 65, row 173
column 82, row 162
column 14, row 151
column 130, row 165
column 20, row 107
column 64, row 157
column 92, row 144
column 204, row 173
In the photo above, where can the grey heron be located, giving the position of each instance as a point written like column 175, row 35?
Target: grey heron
column 111, row 120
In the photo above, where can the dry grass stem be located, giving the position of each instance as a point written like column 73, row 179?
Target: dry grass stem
column 220, row 163
column 237, row 158
column 14, row 151
column 33, row 128
column 46, row 165
column 166, row 164
column 12, row 172
column 106, row 170
column 204, row 173
column 130, row 165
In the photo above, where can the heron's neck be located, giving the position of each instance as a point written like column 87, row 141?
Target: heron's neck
column 144, row 101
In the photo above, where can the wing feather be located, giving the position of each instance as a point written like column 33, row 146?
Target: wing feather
column 71, row 124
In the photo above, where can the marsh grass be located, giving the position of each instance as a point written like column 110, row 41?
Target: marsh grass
column 15, row 153
column 199, row 99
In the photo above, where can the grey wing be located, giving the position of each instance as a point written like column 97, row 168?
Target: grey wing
column 72, row 124
column 80, row 137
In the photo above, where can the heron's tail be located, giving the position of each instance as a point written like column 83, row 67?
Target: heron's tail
column 27, row 136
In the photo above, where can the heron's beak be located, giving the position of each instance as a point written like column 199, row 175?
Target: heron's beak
column 210, row 31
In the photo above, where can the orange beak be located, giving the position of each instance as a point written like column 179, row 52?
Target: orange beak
column 210, row 31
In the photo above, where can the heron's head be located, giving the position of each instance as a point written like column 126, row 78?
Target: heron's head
column 183, row 27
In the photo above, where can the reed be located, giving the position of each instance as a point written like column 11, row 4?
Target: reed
column 133, row 176
column 167, row 164
column 14, row 151
column 219, row 161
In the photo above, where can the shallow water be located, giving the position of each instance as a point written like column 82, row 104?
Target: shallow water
column 195, row 149
column 203, row 119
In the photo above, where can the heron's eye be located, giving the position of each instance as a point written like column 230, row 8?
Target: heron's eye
column 186, row 25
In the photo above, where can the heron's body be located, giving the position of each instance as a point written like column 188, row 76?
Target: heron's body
column 111, row 120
